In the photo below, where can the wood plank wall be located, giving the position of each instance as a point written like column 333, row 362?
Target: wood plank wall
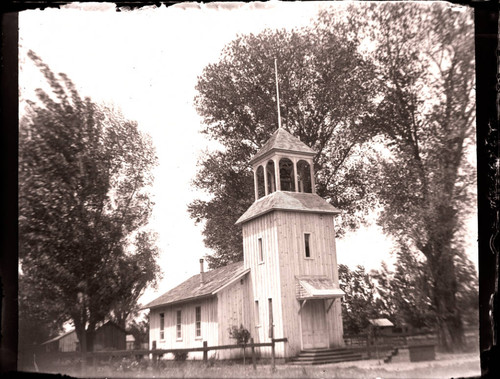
column 264, row 278
column 291, row 228
column 209, row 326
column 234, row 309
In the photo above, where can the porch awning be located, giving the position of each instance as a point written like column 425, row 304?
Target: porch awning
column 318, row 287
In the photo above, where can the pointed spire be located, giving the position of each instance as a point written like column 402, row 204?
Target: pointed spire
column 277, row 92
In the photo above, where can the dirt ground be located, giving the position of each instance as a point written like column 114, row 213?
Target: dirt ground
column 445, row 366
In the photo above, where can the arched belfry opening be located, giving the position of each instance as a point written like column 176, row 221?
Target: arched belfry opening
column 271, row 177
column 261, row 190
column 284, row 163
column 304, row 176
column 287, row 175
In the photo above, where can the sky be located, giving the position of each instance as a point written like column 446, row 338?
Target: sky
column 146, row 62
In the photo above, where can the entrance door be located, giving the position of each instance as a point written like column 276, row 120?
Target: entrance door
column 314, row 330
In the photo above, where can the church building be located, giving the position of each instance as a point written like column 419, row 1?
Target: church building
column 287, row 284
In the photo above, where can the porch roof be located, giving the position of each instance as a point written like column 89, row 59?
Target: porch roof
column 317, row 287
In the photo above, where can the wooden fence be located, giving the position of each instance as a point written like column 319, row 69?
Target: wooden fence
column 90, row 358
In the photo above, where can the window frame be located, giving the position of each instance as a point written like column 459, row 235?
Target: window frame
column 162, row 326
column 260, row 249
column 197, row 322
column 307, row 245
column 256, row 309
column 178, row 325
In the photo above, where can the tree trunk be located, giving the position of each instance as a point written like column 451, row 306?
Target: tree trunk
column 448, row 317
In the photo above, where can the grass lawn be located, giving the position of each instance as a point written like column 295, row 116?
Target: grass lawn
column 445, row 366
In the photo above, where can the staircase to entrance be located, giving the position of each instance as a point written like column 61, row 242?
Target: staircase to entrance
column 324, row 356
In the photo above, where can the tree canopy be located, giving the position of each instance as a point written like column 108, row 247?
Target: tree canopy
column 424, row 58
column 385, row 94
column 84, row 203
column 325, row 98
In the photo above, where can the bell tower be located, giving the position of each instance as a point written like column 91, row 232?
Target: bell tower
column 289, row 246
column 283, row 164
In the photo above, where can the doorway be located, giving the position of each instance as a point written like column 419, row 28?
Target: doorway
column 314, row 329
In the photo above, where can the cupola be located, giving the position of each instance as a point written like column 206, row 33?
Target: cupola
column 284, row 163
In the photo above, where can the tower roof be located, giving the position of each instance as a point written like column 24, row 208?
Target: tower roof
column 288, row 201
column 281, row 140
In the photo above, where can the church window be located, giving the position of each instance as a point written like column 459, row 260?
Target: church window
column 178, row 325
column 198, row 321
column 257, row 316
column 307, row 245
column 260, row 182
column 261, row 250
column 287, row 176
column 162, row 326
column 271, row 180
column 304, row 176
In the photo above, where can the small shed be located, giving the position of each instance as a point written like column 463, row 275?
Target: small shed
column 380, row 326
column 109, row 336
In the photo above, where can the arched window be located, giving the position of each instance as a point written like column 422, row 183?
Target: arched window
column 304, row 176
column 287, row 180
column 271, row 181
column 260, row 182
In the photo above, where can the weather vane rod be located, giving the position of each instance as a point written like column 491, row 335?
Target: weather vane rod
column 277, row 92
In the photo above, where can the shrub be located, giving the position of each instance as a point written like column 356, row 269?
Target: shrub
column 241, row 335
column 180, row 355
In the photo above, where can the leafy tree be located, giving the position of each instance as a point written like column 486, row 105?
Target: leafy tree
column 84, row 174
column 424, row 59
column 324, row 98
column 44, row 321
column 140, row 330
column 361, row 301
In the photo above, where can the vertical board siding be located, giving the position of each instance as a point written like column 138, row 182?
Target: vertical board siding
column 209, row 326
column 291, row 229
column 264, row 278
column 234, row 308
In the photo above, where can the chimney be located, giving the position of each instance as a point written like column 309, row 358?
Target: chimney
column 202, row 272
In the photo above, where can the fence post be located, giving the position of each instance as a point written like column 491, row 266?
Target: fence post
column 205, row 351
column 93, row 364
column 273, row 363
column 153, row 355
column 253, row 353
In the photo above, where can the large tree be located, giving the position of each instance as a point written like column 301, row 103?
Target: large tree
column 361, row 302
column 424, row 59
column 325, row 95
column 84, row 203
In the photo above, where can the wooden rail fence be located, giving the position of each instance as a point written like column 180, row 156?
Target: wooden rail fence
column 157, row 353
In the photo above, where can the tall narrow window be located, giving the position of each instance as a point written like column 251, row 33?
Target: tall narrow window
column 162, row 326
column 271, row 320
column 307, row 247
column 178, row 325
column 257, row 316
column 261, row 251
column 198, row 321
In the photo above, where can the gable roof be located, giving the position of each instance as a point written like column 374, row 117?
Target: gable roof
column 191, row 289
column 59, row 337
column 282, row 140
column 288, row 201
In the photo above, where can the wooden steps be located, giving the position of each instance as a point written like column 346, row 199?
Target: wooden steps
column 324, row 356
